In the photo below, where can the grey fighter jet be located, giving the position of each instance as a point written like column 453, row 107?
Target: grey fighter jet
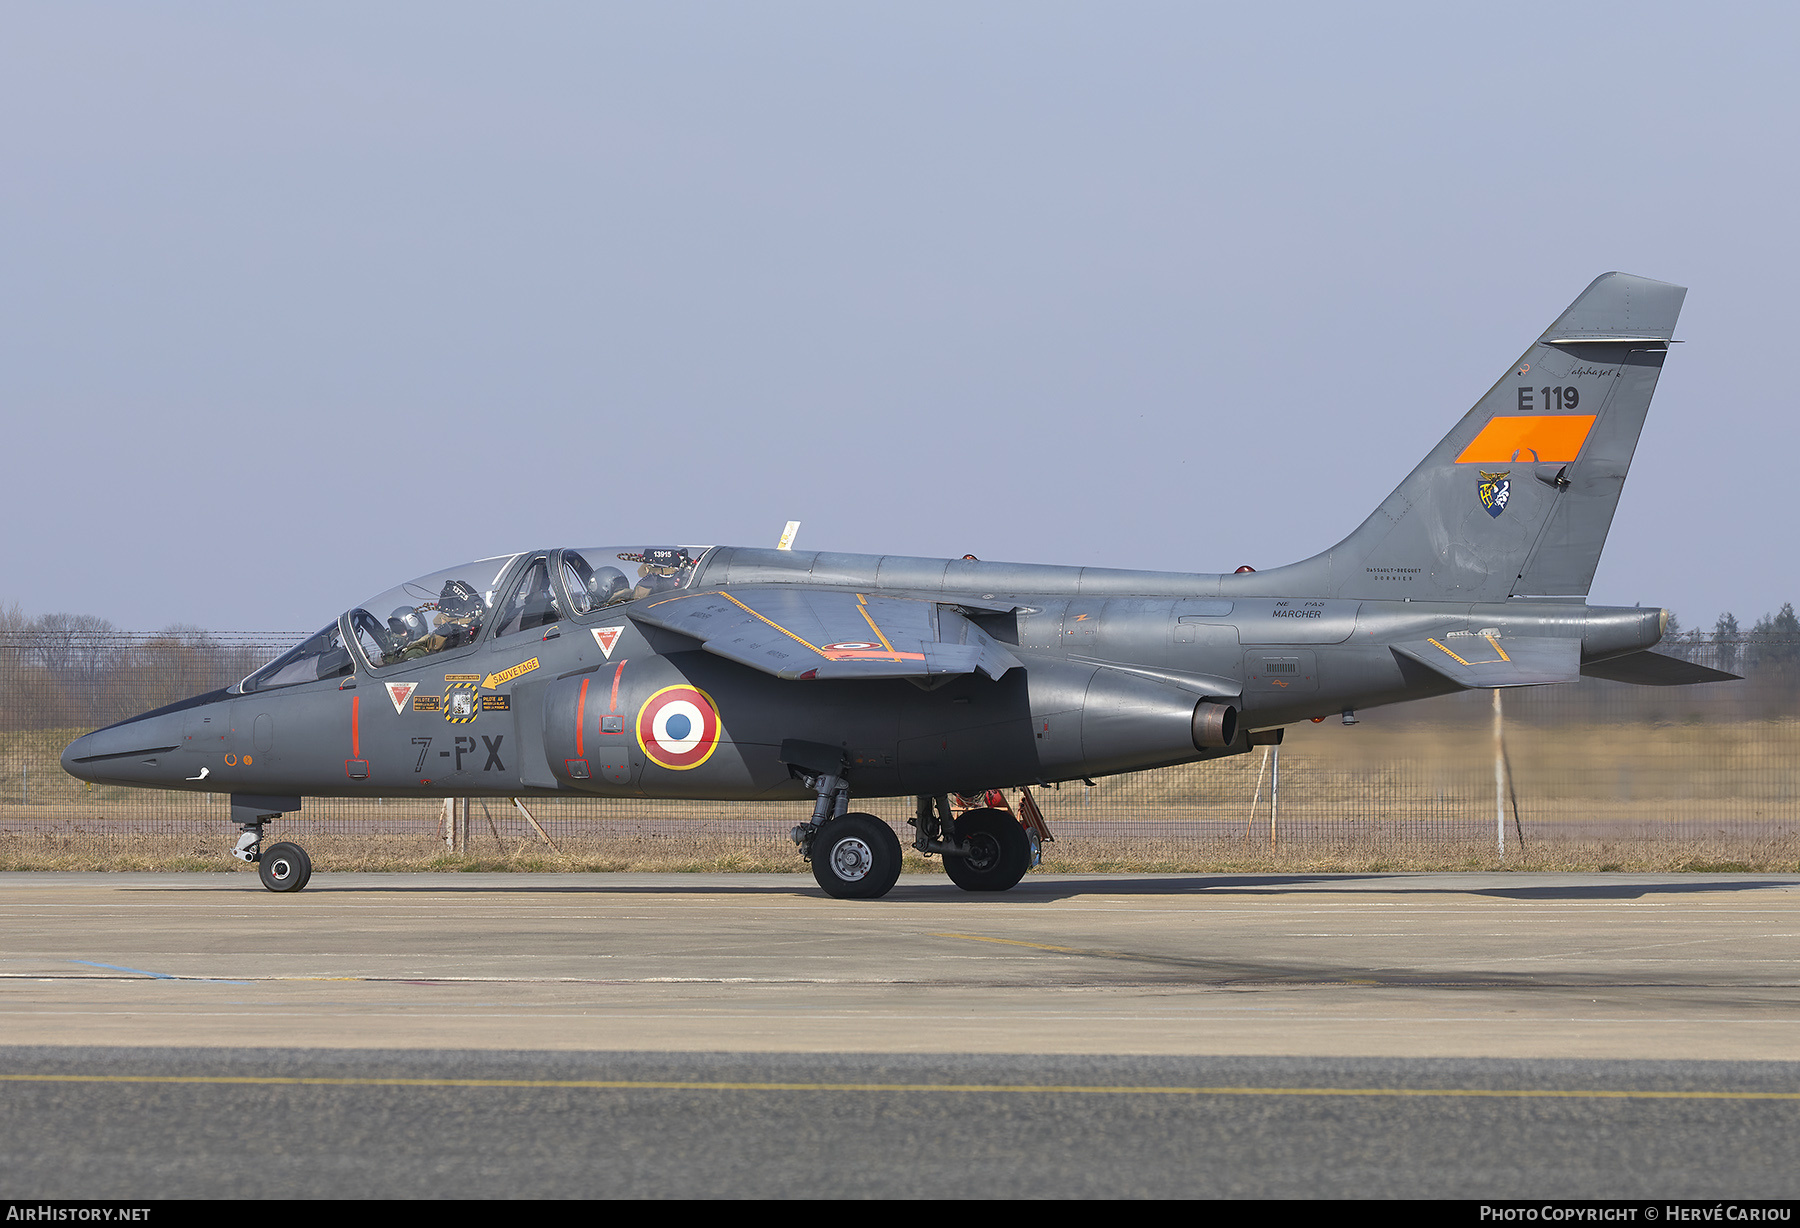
column 731, row 673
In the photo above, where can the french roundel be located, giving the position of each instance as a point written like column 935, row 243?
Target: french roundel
column 678, row 727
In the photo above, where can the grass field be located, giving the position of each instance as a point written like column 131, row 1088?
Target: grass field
column 1665, row 795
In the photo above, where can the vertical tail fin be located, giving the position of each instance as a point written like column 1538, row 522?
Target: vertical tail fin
column 1518, row 497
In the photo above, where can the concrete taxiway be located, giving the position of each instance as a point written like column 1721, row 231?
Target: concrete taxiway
column 1445, row 965
column 1479, row 1035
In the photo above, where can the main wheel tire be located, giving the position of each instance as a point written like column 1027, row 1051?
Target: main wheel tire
column 999, row 851
column 856, row 857
column 284, row 867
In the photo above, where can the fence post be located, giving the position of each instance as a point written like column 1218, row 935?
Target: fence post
column 1499, row 777
column 1274, row 792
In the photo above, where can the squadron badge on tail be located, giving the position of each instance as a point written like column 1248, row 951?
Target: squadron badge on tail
column 1494, row 490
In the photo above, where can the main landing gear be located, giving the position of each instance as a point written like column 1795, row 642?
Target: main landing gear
column 999, row 851
column 854, row 856
column 857, row 856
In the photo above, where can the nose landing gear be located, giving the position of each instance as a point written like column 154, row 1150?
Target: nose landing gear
column 282, row 867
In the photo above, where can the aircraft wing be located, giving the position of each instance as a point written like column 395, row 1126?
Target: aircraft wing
column 1655, row 669
column 1478, row 661
column 813, row 633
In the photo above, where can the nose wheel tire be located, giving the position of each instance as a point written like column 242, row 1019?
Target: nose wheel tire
column 856, row 857
column 284, row 867
column 999, row 852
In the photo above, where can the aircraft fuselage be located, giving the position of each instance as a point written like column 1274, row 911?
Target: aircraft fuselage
column 1110, row 682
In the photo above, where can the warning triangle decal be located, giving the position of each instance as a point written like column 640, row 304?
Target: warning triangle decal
column 400, row 692
column 606, row 637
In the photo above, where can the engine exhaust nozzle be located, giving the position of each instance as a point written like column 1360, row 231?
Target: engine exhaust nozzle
column 1215, row 724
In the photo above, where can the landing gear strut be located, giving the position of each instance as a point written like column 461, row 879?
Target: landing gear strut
column 854, row 856
column 282, row 867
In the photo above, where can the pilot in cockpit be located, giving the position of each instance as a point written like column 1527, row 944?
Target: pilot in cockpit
column 659, row 571
column 459, row 611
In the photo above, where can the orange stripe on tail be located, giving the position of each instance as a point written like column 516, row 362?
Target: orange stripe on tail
column 1552, row 439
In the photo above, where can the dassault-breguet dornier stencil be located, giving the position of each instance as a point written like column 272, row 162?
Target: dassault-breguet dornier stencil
column 734, row 673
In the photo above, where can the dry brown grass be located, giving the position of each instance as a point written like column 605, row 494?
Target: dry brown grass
column 1685, row 795
column 1090, row 856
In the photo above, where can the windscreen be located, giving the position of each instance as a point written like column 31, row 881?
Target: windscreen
column 321, row 656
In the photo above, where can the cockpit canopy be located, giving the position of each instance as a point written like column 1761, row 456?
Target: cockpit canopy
column 502, row 596
column 444, row 610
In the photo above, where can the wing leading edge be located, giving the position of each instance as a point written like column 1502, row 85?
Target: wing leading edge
column 811, row 633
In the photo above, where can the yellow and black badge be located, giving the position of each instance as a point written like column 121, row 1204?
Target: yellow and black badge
column 461, row 702
column 1495, row 491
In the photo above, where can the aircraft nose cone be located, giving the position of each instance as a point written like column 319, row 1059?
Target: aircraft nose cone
column 71, row 753
column 122, row 752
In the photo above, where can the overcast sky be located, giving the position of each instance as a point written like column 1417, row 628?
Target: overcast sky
column 298, row 301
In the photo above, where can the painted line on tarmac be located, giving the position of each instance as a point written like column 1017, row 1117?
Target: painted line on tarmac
column 155, row 976
column 476, row 980
column 160, row 976
column 1512, row 984
column 982, row 1088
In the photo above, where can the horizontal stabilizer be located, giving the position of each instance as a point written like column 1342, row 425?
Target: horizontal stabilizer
column 811, row 633
column 1655, row 669
column 1476, row 661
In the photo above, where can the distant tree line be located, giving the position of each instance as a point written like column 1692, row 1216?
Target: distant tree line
column 79, row 671
column 1770, row 649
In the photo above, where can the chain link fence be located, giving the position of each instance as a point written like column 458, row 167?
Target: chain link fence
column 1713, row 767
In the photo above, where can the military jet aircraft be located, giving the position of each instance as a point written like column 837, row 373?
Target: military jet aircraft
column 732, row 673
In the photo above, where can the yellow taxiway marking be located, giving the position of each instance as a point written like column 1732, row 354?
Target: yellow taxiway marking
column 1094, row 1089
column 1014, row 942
